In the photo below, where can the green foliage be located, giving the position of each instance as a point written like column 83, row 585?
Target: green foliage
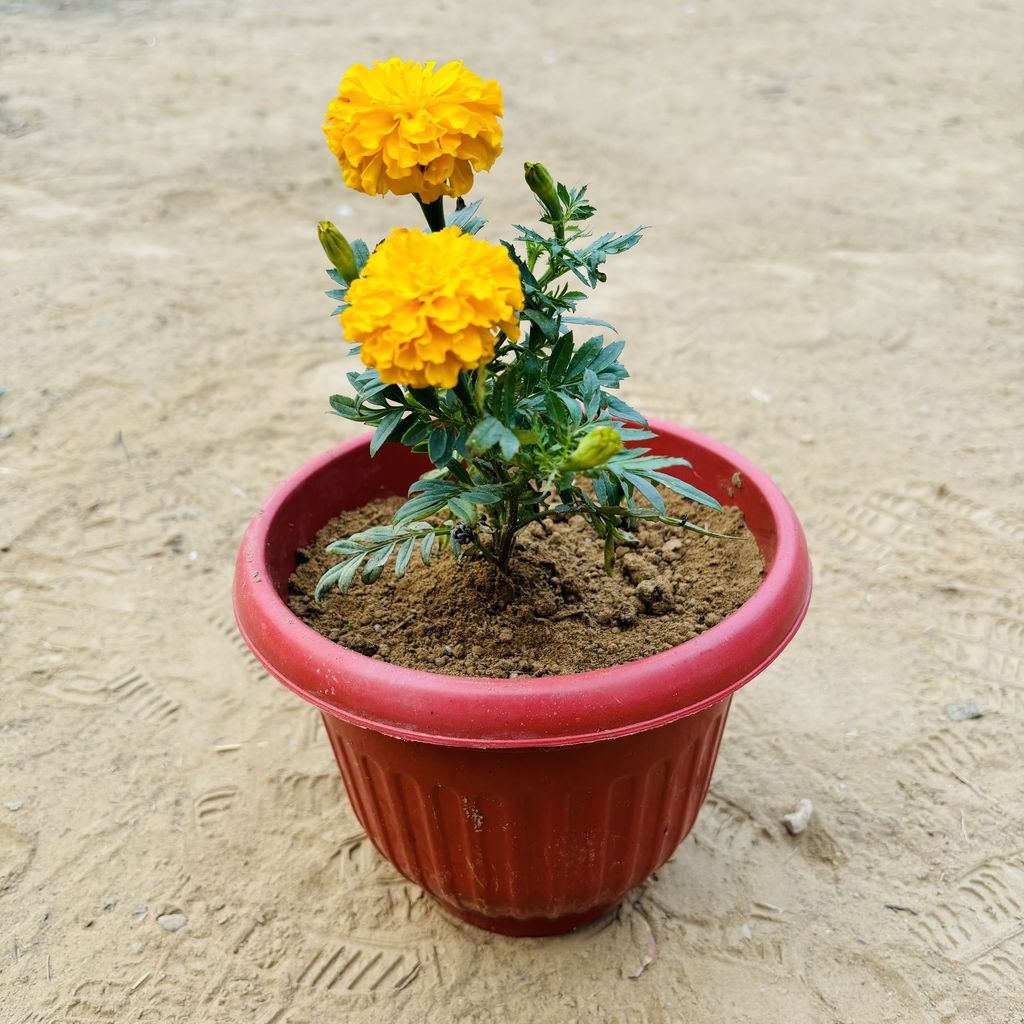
column 501, row 439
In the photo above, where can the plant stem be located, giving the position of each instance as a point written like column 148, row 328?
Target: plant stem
column 433, row 212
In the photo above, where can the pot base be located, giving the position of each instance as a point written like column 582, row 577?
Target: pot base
column 530, row 926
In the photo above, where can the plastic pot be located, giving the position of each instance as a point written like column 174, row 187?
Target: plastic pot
column 525, row 806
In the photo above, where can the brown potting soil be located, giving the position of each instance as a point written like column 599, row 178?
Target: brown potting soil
column 562, row 613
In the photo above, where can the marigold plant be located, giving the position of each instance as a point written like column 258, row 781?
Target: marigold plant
column 471, row 348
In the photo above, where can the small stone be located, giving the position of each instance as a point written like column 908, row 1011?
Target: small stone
column 140, row 910
column 798, row 820
column 960, row 712
column 172, row 922
column 15, row 805
column 107, row 902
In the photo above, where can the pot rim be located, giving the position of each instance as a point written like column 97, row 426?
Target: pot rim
column 539, row 711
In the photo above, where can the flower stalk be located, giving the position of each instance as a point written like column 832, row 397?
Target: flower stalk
column 475, row 354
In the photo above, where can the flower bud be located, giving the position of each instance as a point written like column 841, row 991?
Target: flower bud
column 543, row 187
column 339, row 252
column 596, row 448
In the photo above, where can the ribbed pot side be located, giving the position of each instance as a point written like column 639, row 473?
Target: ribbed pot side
column 534, row 841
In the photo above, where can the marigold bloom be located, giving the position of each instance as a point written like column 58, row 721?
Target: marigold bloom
column 426, row 306
column 403, row 127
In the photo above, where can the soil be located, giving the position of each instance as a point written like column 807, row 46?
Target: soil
column 559, row 613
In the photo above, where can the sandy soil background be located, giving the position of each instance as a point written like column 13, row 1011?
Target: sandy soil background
column 832, row 286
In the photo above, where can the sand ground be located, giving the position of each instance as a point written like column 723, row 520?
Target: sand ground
column 832, row 286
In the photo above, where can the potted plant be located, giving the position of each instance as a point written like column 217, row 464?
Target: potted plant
column 525, row 804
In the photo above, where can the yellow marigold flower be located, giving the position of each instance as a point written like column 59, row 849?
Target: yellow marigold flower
column 426, row 306
column 403, row 127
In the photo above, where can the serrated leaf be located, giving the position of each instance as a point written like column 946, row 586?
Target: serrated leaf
column 607, row 356
column 685, row 489
column 647, row 489
column 384, row 430
column 625, row 411
column 375, row 563
column 466, row 219
column 558, row 361
column 545, row 324
column 419, row 507
column 361, row 252
column 485, row 494
column 464, row 510
column 440, row 443
column 404, row 557
column 426, row 547
column 436, row 488
column 490, row 432
column 340, row 576
column 587, row 322
column 344, row 547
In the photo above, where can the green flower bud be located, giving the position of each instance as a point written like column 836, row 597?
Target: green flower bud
column 595, row 449
column 542, row 185
column 339, row 252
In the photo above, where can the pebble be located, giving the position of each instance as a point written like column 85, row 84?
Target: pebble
column 798, row 820
column 172, row 922
column 961, row 712
column 15, row 805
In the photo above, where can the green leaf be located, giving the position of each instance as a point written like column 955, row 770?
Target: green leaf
column 490, row 432
column 608, row 356
column 584, row 356
column 436, row 488
column 384, row 430
column 345, row 547
column 545, row 324
column 426, row 397
column 419, row 507
column 361, row 252
column 440, row 444
column 587, row 321
column 466, row 219
column 609, row 552
column 626, row 412
column 404, row 557
column 464, row 510
column 375, row 563
column 426, row 546
column 485, row 494
column 340, row 576
column 685, row 489
column 647, row 489
column 558, row 361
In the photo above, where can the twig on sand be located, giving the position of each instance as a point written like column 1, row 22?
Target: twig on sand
column 901, row 906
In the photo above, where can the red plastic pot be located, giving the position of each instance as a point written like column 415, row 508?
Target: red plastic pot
column 526, row 806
